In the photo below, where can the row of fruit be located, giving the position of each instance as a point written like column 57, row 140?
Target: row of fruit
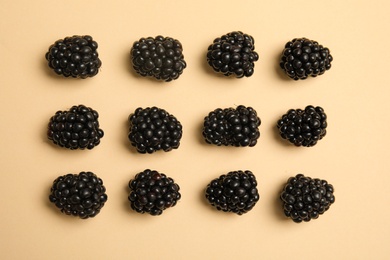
column 84, row 195
column 162, row 57
column 153, row 129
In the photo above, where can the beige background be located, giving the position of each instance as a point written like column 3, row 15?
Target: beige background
column 353, row 156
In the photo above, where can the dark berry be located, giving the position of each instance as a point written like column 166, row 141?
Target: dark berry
column 305, row 198
column 75, row 57
column 81, row 195
column 233, row 54
column 153, row 129
column 77, row 128
column 153, row 192
column 302, row 58
column 233, row 192
column 159, row 57
column 303, row 127
column 232, row 126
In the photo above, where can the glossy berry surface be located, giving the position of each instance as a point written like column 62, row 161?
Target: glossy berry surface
column 159, row 57
column 232, row 127
column 305, row 198
column 82, row 195
column 153, row 129
column 234, row 192
column 302, row 58
column 233, row 54
column 303, row 127
column 153, row 192
column 74, row 56
column 77, row 128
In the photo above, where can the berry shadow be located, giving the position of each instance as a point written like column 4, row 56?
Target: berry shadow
column 126, row 203
column 129, row 66
column 278, row 205
column 203, row 199
column 125, row 139
column 45, row 199
column 276, row 135
column 278, row 70
column 48, row 71
column 43, row 133
column 199, row 135
column 48, row 142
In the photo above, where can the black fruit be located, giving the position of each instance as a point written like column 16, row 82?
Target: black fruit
column 74, row 56
column 153, row 192
column 305, row 198
column 159, row 57
column 303, row 127
column 232, row 126
column 153, row 129
column 77, row 128
column 81, row 195
column 302, row 58
column 234, row 192
column 233, row 53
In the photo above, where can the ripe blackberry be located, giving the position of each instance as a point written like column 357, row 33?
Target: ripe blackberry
column 233, row 53
column 229, row 126
column 305, row 198
column 302, row 58
column 234, row 192
column 153, row 129
column 77, row 128
column 74, row 56
column 153, row 192
column 303, row 127
column 80, row 194
column 159, row 57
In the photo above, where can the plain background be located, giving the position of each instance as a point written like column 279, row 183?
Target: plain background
column 353, row 156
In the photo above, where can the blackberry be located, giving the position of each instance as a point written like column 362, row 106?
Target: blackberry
column 74, row 56
column 234, row 192
column 302, row 58
column 159, row 57
column 77, row 128
column 153, row 129
column 232, row 126
column 303, row 127
column 81, row 195
column 233, row 53
column 305, row 198
column 153, row 192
